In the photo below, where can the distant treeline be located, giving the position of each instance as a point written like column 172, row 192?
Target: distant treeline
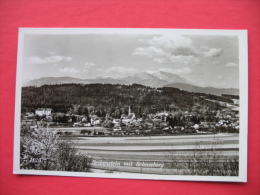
column 230, row 96
column 108, row 98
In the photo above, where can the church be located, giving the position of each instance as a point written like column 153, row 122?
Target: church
column 130, row 118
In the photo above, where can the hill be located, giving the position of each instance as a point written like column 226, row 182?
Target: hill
column 206, row 90
column 115, row 99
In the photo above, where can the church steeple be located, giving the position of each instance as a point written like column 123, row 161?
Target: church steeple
column 129, row 110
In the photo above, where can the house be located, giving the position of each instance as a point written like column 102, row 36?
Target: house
column 117, row 127
column 29, row 114
column 43, row 111
column 115, row 121
column 162, row 116
column 95, row 122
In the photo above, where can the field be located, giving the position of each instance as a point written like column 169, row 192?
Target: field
column 156, row 154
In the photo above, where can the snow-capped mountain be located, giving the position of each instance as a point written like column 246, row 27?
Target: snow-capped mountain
column 139, row 76
column 172, row 78
column 156, row 79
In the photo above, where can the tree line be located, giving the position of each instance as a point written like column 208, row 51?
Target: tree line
column 114, row 99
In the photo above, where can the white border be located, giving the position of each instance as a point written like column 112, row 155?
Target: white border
column 243, row 90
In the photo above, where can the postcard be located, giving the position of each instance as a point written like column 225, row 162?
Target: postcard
column 160, row 104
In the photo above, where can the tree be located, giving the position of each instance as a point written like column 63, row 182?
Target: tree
column 83, row 132
column 80, row 111
column 74, row 119
column 69, row 159
column 42, row 151
column 38, row 149
column 205, row 160
column 86, row 111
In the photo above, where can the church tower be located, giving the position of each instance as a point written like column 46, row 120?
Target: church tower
column 129, row 110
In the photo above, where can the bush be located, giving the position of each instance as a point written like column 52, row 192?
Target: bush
column 59, row 133
column 42, row 151
column 83, row 131
column 68, row 158
column 38, row 149
column 68, row 133
column 204, row 161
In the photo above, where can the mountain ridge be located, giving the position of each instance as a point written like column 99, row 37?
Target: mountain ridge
column 155, row 79
column 207, row 90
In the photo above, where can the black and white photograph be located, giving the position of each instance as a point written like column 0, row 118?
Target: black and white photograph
column 160, row 104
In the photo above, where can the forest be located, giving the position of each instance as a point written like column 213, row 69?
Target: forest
column 115, row 99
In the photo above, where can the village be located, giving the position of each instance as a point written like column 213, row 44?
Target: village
column 160, row 123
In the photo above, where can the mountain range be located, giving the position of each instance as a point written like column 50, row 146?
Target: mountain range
column 155, row 79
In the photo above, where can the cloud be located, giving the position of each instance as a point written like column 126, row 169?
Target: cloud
column 89, row 64
column 119, row 69
column 176, row 49
column 213, row 52
column 49, row 60
column 171, row 41
column 160, row 60
column 69, row 70
column 231, row 65
column 184, row 60
column 183, row 71
column 175, row 45
column 150, row 52
column 157, row 54
column 161, row 56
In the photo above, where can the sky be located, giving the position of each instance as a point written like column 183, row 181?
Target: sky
column 204, row 60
